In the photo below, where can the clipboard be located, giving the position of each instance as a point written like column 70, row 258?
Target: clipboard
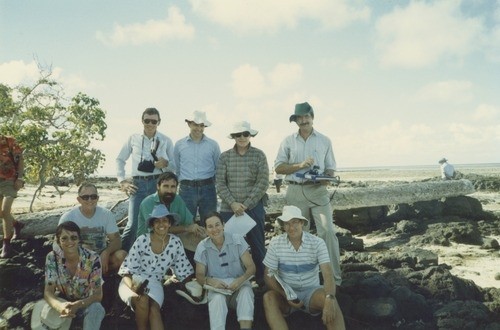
column 239, row 224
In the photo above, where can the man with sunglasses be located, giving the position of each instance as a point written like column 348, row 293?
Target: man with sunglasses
column 97, row 225
column 298, row 154
column 152, row 154
column 242, row 180
column 196, row 156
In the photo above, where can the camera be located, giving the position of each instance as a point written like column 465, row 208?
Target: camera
column 314, row 170
column 146, row 166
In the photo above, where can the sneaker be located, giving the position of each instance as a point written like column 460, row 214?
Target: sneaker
column 7, row 251
column 17, row 229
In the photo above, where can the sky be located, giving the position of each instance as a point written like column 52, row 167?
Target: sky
column 392, row 83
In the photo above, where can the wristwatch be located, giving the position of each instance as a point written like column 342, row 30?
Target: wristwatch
column 330, row 296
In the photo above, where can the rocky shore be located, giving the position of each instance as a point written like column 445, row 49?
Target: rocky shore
column 401, row 268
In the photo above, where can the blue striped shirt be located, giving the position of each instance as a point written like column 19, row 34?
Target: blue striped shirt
column 299, row 269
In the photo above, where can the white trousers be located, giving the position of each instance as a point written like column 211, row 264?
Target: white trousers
column 242, row 300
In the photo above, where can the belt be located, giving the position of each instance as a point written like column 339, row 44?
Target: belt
column 146, row 177
column 197, row 183
column 303, row 183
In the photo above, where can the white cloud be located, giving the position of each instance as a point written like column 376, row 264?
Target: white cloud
column 454, row 91
column 16, row 72
column 152, row 31
column 249, row 82
column 486, row 112
column 425, row 33
column 270, row 16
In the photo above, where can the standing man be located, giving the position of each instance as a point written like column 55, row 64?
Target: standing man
column 152, row 152
column 298, row 153
column 242, row 181
column 97, row 225
column 196, row 157
column 296, row 257
column 11, row 180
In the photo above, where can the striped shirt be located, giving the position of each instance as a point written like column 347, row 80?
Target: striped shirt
column 299, row 269
column 242, row 178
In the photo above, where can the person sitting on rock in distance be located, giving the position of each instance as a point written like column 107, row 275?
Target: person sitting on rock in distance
column 447, row 170
column 151, row 256
column 97, row 225
column 296, row 257
column 75, row 273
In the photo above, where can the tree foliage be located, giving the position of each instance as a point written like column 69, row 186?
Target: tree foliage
column 55, row 132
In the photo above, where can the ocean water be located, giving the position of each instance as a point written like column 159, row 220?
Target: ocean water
column 412, row 173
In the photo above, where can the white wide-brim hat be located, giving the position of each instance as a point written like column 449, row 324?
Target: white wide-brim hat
column 51, row 318
column 291, row 212
column 199, row 117
column 242, row 126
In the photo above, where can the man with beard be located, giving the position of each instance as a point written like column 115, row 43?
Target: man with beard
column 166, row 194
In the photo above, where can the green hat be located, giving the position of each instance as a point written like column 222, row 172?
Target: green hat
column 302, row 109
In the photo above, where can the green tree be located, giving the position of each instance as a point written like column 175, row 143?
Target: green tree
column 55, row 132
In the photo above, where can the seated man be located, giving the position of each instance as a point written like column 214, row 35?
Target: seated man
column 97, row 224
column 188, row 231
column 447, row 170
column 295, row 258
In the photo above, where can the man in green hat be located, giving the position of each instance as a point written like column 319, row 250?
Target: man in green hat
column 299, row 153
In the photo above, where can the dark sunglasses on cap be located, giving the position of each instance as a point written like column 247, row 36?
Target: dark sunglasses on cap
column 89, row 197
column 237, row 135
column 150, row 121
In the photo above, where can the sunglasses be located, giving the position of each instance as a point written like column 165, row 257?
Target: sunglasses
column 89, row 197
column 66, row 238
column 237, row 135
column 150, row 121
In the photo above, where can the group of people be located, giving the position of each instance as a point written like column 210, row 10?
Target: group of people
column 170, row 185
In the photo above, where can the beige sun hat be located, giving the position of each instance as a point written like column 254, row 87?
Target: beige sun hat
column 199, row 117
column 291, row 212
column 242, row 126
column 45, row 317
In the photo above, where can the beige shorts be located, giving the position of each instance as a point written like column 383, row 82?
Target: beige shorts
column 7, row 188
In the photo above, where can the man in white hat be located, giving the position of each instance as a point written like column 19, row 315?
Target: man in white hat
column 447, row 170
column 196, row 156
column 242, row 180
column 296, row 257
column 299, row 153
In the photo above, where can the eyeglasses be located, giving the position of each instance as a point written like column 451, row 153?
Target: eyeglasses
column 89, row 197
column 150, row 121
column 73, row 238
column 237, row 135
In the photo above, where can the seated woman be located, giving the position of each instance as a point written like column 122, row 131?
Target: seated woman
column 149, row 259
column 73, row 278
column 223, row 261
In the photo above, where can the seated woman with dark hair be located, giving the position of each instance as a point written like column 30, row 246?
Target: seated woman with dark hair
column 149, row 259
column 224, row 263
column 73, row 278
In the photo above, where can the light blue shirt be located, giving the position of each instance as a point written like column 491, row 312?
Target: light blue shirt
column 294, row 149
column 139, row 146
column 196, row 160
column 225, row 263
